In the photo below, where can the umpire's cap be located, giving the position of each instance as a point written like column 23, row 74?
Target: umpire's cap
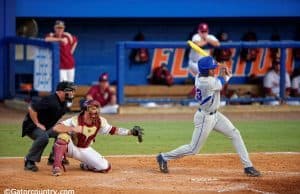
column 206, row 63
column 65, row 86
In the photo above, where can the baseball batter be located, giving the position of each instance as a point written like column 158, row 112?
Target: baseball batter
column 208, row 118
column 77, row 133
column 202, row 38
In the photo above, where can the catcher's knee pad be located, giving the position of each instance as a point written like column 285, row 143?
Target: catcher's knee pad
column 64, row 136
column 60, row 149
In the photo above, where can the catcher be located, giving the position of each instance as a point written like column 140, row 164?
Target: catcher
column 77, row 133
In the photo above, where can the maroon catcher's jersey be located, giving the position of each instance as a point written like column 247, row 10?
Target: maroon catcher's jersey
column 89, row 132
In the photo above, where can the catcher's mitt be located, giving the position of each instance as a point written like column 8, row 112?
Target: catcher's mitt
column 138, row 131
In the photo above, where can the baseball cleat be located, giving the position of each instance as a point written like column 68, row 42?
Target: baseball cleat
column 251, row 171
column 163, row 165
column 30, row 165
column 56, row 171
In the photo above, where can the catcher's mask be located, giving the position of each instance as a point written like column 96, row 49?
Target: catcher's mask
column 69, row 96
column 92, row 107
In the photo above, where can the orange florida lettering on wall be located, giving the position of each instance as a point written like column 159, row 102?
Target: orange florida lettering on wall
column 264, row 61
column 177, row 69
column 259, row 67
column 289, row 61
column 161, row 56
column 262, row 64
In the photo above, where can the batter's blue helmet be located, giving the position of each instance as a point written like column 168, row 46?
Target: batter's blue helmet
column 206, row 63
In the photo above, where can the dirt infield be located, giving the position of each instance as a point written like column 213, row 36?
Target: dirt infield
column 194, row 174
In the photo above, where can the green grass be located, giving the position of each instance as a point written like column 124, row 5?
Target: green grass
column 259, row 136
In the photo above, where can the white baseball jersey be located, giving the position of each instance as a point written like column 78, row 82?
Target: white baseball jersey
column 208, row 93
column 296, row 83
column 272, row 80
column 207, row 119
column 194, row 56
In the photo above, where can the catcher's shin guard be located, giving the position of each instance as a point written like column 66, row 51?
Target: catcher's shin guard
column 60, row 149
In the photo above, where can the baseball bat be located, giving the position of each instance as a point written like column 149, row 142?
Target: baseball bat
column 200, row 51
column 196, row 48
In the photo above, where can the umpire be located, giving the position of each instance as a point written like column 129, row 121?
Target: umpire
column 40, row 119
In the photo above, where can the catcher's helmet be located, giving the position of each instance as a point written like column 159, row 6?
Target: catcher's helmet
column 203, row 27
column 206, row 63
column 65, row 86
column 88, row 103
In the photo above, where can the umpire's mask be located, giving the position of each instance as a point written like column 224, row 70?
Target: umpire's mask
column 69, row 96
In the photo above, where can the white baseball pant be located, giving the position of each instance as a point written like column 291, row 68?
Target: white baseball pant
column 204, row 123
column 88, row 156
column 67, row 75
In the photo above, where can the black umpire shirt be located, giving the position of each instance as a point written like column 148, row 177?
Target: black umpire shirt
column 49, row 110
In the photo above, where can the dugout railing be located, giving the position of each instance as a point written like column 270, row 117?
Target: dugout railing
column 122, row 56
